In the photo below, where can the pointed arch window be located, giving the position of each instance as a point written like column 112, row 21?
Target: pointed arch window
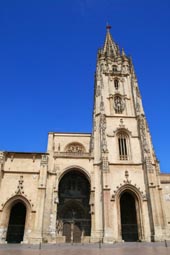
column 116, row 84
column 123, row 146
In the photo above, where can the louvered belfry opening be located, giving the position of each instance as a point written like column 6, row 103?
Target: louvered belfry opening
column 123, row 150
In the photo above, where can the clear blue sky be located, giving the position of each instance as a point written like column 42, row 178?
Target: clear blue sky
column 47, row 62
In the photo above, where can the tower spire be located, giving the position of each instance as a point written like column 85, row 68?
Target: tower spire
column 110, row 48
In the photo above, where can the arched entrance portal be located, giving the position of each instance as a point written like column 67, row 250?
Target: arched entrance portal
column 74, row 209
column 16, row 224
column 129, row 226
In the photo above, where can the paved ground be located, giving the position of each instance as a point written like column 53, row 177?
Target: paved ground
column 87, row 249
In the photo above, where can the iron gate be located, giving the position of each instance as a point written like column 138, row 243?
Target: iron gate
column 74, row 230
column 130, row 232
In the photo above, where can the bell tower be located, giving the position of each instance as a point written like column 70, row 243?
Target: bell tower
column 117, row 102
column 124, row 158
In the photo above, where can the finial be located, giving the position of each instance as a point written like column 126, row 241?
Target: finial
column 108, row 27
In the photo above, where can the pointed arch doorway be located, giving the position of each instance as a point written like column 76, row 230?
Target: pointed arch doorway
column 73, row 208
column 129, row 225
column 16, row 223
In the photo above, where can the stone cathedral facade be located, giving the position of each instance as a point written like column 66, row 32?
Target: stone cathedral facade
column 104, row 186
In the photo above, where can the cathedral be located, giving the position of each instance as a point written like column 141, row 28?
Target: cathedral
column 104, row 186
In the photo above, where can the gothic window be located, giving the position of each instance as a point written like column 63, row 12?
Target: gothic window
column 114, row 68
column 123, row 146
column 118, row 104
column 116, row 83
column 75, row 148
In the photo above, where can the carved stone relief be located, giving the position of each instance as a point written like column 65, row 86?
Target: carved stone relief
column 102, row 104
column 75, row 148
column 44, row 160
column 103, row 123
column 103, row 67
column 105, row 163
column 125, row 68
column 102, row 83
column 142, row 128
column 98, row 91
column 138, row 107
column 119, row 104
column 122, row 125
column 19, row 192
column 59, row 227
column 20, row 186
column 145, row 145
column 2, row 157
column 148, row 163
column 129, row 183
column 103, row 141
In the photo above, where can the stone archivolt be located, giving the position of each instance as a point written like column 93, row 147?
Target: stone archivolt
column 127, row 185
column 18, row 195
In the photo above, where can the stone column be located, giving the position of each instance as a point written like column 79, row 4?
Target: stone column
column 37, row 236
column 97, row 230
column 53, row 210
column 108, row 233
column 92, row 211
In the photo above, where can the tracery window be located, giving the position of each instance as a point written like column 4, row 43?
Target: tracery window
column 123, row 146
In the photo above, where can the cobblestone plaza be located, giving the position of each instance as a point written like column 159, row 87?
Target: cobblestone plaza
column 162, row 248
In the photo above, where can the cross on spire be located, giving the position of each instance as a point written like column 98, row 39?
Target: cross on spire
column 110, row 47
column 108, row 27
